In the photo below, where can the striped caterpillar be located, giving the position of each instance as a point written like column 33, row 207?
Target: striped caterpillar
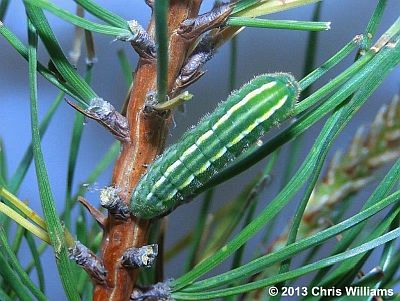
column 217, row 140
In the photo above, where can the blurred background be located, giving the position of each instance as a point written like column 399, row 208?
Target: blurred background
column 259, row 51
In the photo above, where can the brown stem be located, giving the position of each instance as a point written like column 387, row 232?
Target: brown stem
column 147, row 136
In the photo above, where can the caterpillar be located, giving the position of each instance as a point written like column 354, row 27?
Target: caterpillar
column 218, row 139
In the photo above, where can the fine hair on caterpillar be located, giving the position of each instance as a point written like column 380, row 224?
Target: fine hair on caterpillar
column 217, row 140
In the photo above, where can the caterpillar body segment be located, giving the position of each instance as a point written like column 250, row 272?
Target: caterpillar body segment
column 218, row 139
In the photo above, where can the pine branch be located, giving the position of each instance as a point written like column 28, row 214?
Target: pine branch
column 148, row 134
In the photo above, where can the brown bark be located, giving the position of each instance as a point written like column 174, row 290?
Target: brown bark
column 148, row 133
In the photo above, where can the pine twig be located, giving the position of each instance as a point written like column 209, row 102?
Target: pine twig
column 147, row 132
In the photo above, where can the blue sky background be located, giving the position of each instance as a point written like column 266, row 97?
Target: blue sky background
column 259, row 51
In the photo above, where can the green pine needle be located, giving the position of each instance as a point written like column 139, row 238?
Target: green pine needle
column 279, row 24
column 54, row 226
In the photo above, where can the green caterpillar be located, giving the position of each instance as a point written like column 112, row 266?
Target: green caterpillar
column 217, row 140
